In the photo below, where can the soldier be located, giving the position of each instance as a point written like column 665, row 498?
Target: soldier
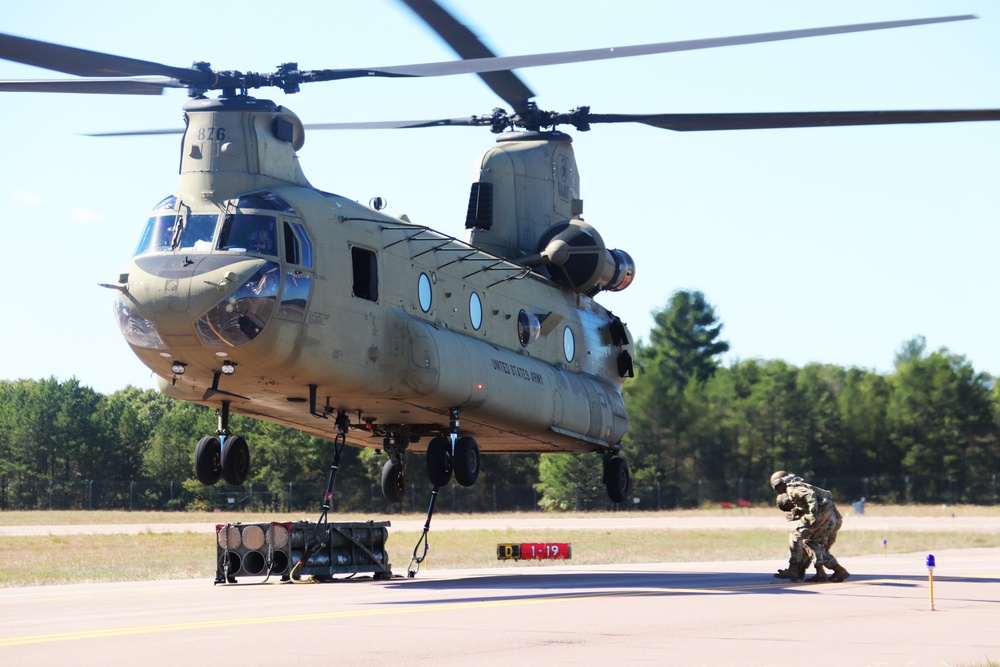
column 817, row 523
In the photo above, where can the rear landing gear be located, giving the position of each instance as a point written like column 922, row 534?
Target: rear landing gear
column 439, row 461
column 394, row 470
column 466, row 460
column 617, row 478
column 452, row 455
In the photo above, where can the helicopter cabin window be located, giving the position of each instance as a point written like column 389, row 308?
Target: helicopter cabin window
column 298, row 247
column 475, row 310
column 198, row 232
column 158, row 235
column 569, row 344
column 424, row 294
column 249, row 232
column 365, row 274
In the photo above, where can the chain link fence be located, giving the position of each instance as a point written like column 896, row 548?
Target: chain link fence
column 144, row 495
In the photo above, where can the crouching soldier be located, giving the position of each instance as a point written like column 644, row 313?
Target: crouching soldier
column 817, row 522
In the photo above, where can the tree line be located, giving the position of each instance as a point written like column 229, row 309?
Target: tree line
column 701, row 432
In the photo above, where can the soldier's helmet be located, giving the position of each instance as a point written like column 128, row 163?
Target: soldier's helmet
column 777, row 477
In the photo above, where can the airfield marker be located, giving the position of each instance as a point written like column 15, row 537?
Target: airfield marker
column 930, row 576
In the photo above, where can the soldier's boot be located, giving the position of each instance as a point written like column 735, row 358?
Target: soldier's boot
column 792, row 573
column 839, row 573
column 820, row 575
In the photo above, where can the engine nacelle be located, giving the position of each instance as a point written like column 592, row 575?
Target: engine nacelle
column 575, row 256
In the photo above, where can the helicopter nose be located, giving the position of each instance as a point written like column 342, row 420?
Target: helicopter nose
column 212, row 300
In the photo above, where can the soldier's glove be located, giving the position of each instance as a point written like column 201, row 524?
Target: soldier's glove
column 786, row 505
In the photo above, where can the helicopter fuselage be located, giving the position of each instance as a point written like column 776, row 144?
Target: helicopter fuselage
column 320, row 305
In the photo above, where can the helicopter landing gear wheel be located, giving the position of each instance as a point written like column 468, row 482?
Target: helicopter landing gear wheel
column 617, row 478
column 208, row 460
column 235, row 460
column 393, row 481
column 439, row 463
column 466, row 461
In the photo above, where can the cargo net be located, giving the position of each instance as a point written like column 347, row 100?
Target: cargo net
column 292, row 550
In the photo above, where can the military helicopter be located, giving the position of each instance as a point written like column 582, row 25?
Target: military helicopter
column 253, row 291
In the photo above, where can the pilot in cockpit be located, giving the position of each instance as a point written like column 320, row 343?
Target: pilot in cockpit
column 262, row 242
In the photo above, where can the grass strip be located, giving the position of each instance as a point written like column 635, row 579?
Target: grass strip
column 64, row 559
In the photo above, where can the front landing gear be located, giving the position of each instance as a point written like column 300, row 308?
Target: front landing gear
column 223, row 455
column 617, row 478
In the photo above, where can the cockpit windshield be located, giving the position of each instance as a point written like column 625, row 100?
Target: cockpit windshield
column 198, row 232
column 168, row 228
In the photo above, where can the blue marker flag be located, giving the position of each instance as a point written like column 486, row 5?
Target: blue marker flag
column 930, row 560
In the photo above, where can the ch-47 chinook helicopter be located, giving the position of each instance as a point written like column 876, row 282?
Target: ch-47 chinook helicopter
column 253, row 291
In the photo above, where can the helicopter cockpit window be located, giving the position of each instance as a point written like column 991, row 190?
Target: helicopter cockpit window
column 249, row 232
column 158, row 235
column 298, row 247
column 198, row 232
column 267, row 201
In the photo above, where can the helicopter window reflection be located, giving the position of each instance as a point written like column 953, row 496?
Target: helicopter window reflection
column 528, row 327
column 294, row 296
column 158, row 235
column 267, row 201
column 298, row 247
column 198, row 232
column 249, row 232
column 241, row 317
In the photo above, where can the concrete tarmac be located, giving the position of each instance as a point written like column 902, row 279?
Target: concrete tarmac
column 729, row 613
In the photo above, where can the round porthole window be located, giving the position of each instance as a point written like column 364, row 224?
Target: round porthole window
column 528, row 327
column 475, row 311
column 569, row 344
column 424, row 292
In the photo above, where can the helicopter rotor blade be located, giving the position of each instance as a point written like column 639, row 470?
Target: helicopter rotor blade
column 507, row 85
column 472, row 121
column 123, row 85
column 701, row 122
column 71, row 60
column 201, row 78
column 481, row 65
column 678, row 122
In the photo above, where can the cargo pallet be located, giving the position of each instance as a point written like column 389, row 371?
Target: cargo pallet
column 293, row 549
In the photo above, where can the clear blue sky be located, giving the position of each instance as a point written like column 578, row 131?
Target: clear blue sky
column 831, row 245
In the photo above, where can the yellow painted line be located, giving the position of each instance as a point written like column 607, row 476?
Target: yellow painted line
column 322, row 616
column 411, row 608
column 226, row 623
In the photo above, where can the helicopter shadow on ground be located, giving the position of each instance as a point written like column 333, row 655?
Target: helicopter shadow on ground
column 526, row 586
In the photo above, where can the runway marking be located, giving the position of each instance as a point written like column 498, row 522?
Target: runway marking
column 322, row 616
column 409, row 609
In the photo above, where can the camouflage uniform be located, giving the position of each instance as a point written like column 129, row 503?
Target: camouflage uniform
column 815, row 532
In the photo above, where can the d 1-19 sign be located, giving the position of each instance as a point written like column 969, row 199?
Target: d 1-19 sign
column 534, row 551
